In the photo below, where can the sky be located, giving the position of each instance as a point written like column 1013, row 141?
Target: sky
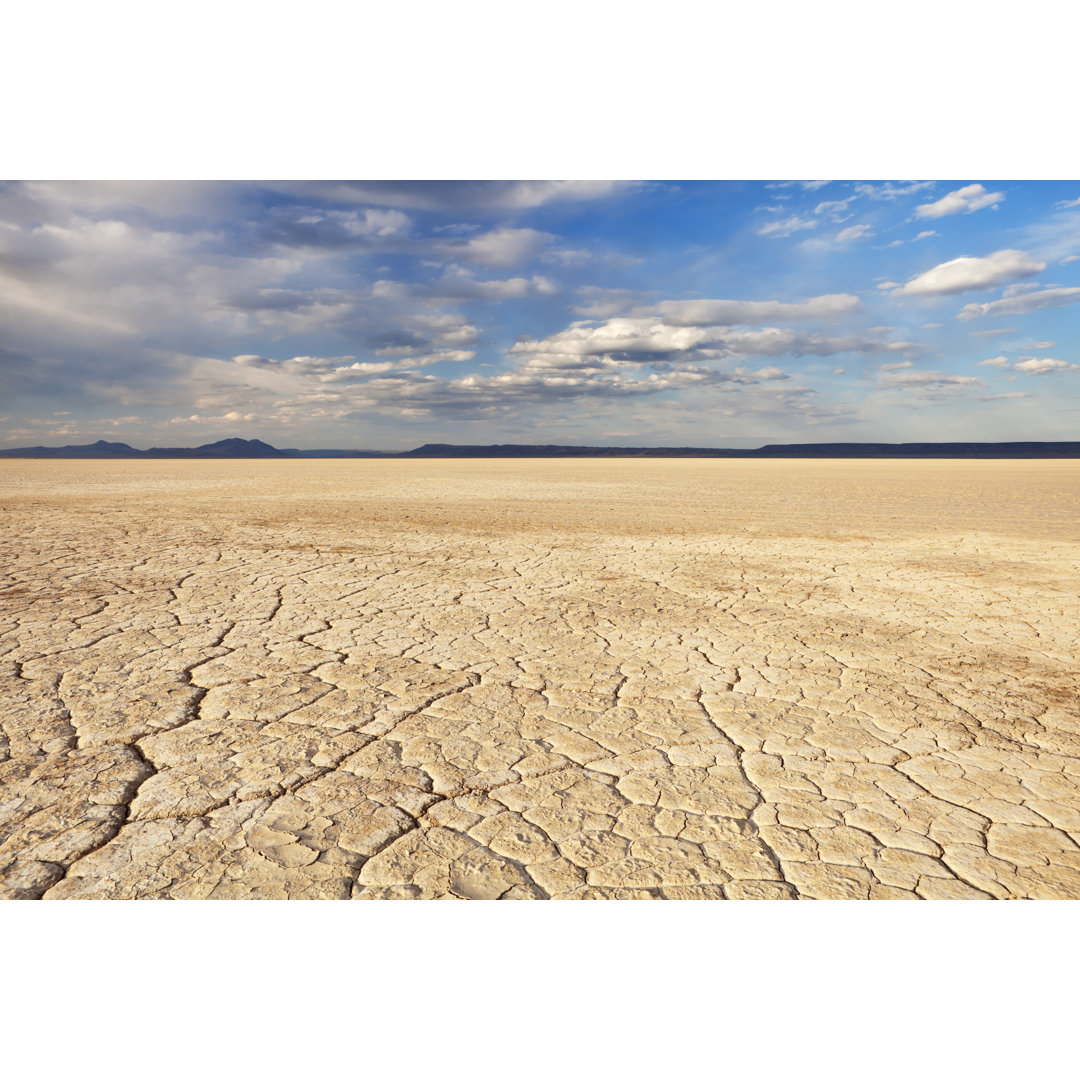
column 383, row 315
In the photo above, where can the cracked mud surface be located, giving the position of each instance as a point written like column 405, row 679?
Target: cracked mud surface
column 530, row 679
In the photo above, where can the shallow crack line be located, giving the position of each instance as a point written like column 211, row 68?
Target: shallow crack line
column 762, row 801
column 123, row 820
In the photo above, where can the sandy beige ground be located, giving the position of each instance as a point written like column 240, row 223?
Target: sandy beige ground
column 606, row 678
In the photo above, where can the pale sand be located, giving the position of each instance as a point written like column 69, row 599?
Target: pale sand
column 540, row 678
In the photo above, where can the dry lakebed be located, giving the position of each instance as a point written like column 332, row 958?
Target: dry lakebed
column 518, row 679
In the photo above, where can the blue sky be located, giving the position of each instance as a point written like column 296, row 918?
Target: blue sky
column 387, row 314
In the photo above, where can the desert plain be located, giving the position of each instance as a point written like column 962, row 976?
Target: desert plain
column 529, row 679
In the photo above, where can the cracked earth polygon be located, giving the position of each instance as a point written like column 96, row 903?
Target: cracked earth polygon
column 609, row 678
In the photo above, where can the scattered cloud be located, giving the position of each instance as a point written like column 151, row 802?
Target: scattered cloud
column 836, row 210
column 1043, row 365
column 504, row 246
column 787, row 226
column 732, row 312
column 1021, row 305
column 966, row 273
column 926, row 234
column 996, row 361
column 890, row 190
column 806, row 185
column 854, row 232
column 456, row 196
column 462, row 287
column 1069, row 259
column 930, row 379
column 1067, row 204
column 964, row 200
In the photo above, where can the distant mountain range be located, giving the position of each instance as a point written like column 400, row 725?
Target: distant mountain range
column 256, row 448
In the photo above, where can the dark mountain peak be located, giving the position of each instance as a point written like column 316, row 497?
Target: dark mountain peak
column 241, row 448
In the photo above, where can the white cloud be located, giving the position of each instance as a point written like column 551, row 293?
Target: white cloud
column 600, row 302
column 1018, row 288
column 919, row 379
column 1004, row 397
column 996, row 361
column 888, row 285
column 504, row 246
column 787, row 226
column 932, row 325
column 1069, row 259
column 835, row 210
column 1043, row 365
column 451, row 196
column 650, row 340
column 966, row 199
column 459, row 286
column 838, row 371
column 854, row 232
column 582, row 257
column 965, row 273
column 925, row 234
column 732, row 312
column 806, row 185
column 1067, row 204
column 1021, row 305
column 890, row 191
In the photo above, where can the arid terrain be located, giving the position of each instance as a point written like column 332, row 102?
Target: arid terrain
column 540, row 678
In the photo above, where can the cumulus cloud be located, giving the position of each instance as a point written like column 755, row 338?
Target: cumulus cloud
column 966, row 273
column 1021, row 305
column 652, row 340
column 995, row 361
column 964, row 200
column 1042, row 365
column 925, row 234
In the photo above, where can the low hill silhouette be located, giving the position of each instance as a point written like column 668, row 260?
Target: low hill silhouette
column 256, row 448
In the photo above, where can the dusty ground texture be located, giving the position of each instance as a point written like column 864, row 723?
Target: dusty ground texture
column 528, row 679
